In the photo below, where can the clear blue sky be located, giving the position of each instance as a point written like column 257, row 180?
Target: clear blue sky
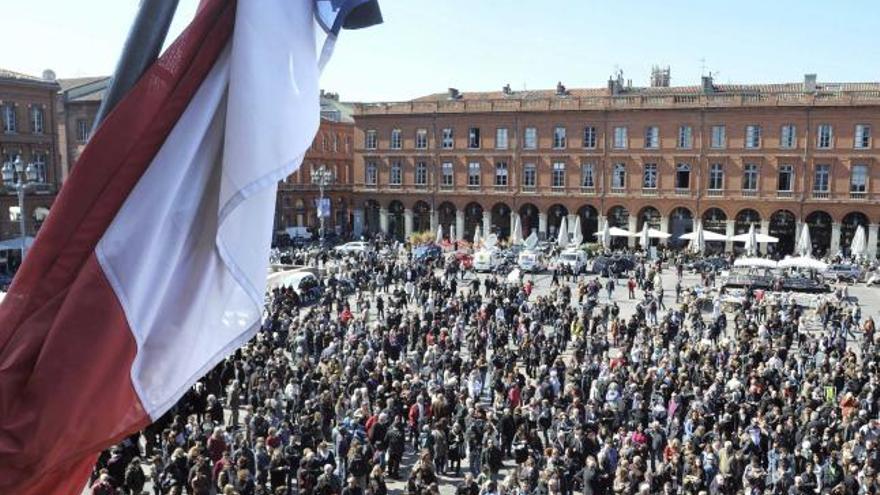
column 425, row 46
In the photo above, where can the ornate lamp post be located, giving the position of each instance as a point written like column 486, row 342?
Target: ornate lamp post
column 322, row 178
column 20, row 178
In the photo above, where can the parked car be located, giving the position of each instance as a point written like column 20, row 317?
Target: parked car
column 614, row 264
column 575, row 259
column 709, row 264
column 354, row 247
column 531, row 261
column 427, row 252
column 844, row 273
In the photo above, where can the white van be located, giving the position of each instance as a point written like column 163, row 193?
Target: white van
column 574, row 259
column 531, row 261
column 485, row 260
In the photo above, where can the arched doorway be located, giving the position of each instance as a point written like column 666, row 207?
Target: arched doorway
column 819, row 223
column 473, row 216
column 395, row 220
column 554, row 217
column 744, row 220
column 340, row 217
column 649, row 216
column 618, row 216
column 421, row 217
column 681, row 221
column 783, row 226
column 501, row 220
column 848, row 229
column 371, row 216
column 589, row 222
column 528, row 217
column 715, row 220
column 446, row 219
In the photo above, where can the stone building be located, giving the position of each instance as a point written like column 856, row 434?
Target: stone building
column 78, row 104
column 28, row 110
column 776, row 156
column 332, row 148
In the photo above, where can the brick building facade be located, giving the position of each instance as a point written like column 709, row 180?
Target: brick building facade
column 28, row 109
column 776, row 156
column 78, row 104
column 333, row 148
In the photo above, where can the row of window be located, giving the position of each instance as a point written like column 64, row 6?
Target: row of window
column 620, row 137
column 332, row 143
column 10, row 118
column 785, row 177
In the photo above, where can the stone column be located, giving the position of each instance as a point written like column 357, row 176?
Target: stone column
column 407, row 223
column 459, row 225
column 358, row 227
column 487, row 223
column 872, row 241
column 383, row 220
column 542, row 225
column 731, row 228
column 765, row 229
column 664, row 226
column 434, row 221
column 835, row 238
column 633, row 225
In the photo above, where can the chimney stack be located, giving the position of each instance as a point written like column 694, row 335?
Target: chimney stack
column 810, row 83
column 454, row 94
column 506, row 89
column 708, row 85
column 660, row 77
column 560, row 89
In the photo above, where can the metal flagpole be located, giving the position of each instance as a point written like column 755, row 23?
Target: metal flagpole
column 145, row 39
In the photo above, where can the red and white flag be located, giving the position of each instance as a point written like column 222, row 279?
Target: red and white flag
column 151, row 267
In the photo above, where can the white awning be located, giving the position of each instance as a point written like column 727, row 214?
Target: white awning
column 803, row 262
column 40, row 213
column 761, row 238
column 708, row 235
column 616, row 232
column 755, row 262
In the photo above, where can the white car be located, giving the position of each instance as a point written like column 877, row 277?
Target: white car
column 574, row 259
column 355, row 247
column 531, row 261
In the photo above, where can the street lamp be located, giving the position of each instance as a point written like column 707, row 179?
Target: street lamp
column 322, row 178
column 20, row 178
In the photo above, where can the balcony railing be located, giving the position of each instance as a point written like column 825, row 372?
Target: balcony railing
column 858, row 195
column 528, row 189
column 473, row 187
column 821, row 195
column 649, row 191
column 446, row 187
column 784, row 194
column 421, row 186
column 682, row 191
column 618, row 190
column 501, row 187
column 714, row 193
column 588, row 190
column 750, row 193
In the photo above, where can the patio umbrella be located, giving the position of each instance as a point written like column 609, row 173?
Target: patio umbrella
column 752, row 241
column 439, row 238
column 562, row 236
column 452, row 233
column 804, row 244
column 857, row 248
column 645, row 237
column 577, row 237
column 516, row 235
column 606, row 235
column 476, row 236
column 698, row 244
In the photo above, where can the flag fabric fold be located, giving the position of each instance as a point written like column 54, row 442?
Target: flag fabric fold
column 151, row 267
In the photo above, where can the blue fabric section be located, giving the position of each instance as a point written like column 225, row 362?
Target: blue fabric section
column 334, row 15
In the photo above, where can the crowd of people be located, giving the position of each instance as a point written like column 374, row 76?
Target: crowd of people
column 430, row 376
